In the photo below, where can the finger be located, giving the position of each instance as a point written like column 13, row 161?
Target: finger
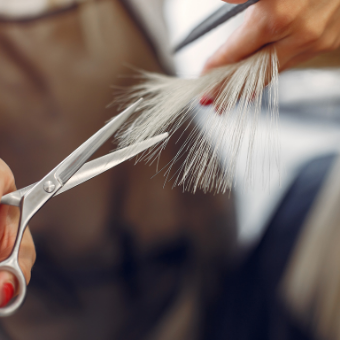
column 252, row 35
column 235, row 1
column 284, row 58
column 7, row 183
column 9, row 222
column 9, row 216
column 309, row 48
column 8, row 282
column 298, row 60
column 8, row 287
column 286, row 50
column 27, row 255
column 294, row 49
column 240, row 44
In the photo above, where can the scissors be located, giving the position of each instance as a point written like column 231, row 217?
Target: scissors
column 71, row 172
column 221, row 15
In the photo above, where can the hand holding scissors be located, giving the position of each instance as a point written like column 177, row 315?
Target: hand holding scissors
column 71, row 172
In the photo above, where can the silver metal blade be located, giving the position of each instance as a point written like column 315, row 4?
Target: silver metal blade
column 77, row 158
column 220, row 16
column 91, row 169
column 102, row 164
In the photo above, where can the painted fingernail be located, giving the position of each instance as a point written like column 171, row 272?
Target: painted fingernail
column 7, row 294
column 206, row 101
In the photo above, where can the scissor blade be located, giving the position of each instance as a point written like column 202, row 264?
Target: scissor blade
column 90, row 169
column 77, row 158
column 220, row 16
column 102, row 164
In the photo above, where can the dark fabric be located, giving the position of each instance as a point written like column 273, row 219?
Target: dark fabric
column 250, row 307
column 149, row 284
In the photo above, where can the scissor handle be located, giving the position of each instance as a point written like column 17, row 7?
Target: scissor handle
column 27, row 209
column 11, row 265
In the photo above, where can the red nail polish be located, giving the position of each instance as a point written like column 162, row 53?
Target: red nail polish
column 7, row 293
column 206, row 101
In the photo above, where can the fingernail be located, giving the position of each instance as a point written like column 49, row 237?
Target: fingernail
column 7, row 294
column 206, row 100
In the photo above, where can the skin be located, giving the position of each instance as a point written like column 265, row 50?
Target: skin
column 9, row 220
column 299, row 30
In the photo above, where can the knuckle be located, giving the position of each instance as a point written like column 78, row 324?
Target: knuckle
column 282, row 21
column 326, row 45
column 6, row 177
column 274, row 21
column 311, row 33
column 278, row 23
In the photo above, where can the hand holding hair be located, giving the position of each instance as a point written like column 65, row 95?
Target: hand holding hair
column 210, row 153
column 276, row 35
column 297, row 29
column 207, row 158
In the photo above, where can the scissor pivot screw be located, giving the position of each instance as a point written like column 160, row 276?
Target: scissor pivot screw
column 49, row 186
